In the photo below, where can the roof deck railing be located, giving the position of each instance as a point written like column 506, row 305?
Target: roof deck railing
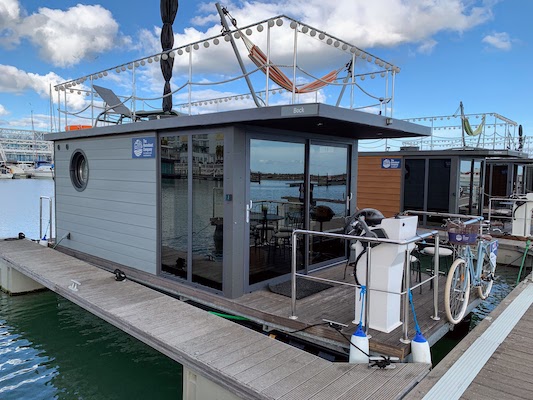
column 365, row 82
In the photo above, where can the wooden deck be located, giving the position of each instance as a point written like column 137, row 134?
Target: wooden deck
column 494, row 361
column 272, row 311
column 338, row 303
column 249, row 364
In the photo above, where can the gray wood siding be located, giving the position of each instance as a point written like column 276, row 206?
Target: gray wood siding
column 115, row 217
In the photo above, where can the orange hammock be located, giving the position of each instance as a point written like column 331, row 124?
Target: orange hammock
column 260, row 59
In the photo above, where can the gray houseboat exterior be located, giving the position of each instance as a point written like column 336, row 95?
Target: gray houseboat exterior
column 208, row 200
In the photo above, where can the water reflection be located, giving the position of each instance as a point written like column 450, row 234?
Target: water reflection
column 51, row 348
column 504, row 283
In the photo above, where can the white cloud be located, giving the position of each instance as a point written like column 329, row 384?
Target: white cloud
column 427, row 46
column 3, row 111
column 379, row 23
column 365, row 23
column 17, row 81
column 39, row 122
column 498, row 40
column 64, row 38
column 9, row 12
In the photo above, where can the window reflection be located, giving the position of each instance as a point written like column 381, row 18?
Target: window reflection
column 174, row 205
column 328, row 167
column 277, row 194
column 207, row 208
column 470, row 187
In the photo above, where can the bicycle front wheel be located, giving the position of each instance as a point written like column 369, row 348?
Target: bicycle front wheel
column 457, row 291
column 486, row 278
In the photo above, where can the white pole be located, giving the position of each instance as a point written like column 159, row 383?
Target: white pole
column 190, row 78
column 133, row 92
column 294, row 60
column 268, row 65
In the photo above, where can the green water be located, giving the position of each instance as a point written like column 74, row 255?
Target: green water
column 504, row 283
column 52, row 349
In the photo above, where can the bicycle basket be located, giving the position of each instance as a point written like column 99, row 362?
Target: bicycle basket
column 463, row 234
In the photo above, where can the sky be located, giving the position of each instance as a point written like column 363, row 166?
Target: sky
column 474, row 51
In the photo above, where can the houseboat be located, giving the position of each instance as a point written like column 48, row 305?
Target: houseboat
column 204, row 203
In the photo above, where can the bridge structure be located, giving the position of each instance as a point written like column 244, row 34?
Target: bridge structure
column 18, row 145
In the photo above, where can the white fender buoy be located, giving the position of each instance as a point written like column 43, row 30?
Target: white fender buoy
column 360, row 340
column 420, row 349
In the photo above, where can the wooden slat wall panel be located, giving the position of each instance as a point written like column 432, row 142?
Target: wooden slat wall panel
column 377, row 187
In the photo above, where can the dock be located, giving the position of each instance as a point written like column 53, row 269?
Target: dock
column 272, row 311
column 494, row 361
column 241, row 363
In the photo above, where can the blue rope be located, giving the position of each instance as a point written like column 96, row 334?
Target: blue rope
column 417, row 327
column 362, row 299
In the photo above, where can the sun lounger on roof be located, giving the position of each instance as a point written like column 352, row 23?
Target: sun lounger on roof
column 115, row 107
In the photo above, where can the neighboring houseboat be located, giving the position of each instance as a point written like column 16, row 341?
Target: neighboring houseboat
column 456, row 181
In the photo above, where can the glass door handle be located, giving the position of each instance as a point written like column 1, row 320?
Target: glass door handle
column 348, row 199
column 248, row 209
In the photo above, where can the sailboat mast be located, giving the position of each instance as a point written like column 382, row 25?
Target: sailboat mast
column 34, row 141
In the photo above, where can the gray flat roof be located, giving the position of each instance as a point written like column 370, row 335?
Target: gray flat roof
column 466, row 152
column 315, row 118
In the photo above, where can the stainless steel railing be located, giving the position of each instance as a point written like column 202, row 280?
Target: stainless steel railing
column 407, row 272
column 49, row 225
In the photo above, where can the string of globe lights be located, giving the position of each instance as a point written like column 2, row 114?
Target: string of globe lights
column 456, row 142
column 477, row 116
column 278, row 21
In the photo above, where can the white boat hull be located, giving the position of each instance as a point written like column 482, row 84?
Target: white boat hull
column 43, row 173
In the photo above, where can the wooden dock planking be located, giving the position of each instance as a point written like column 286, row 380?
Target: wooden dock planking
column 288, row 357
column 248, row 363
column 207, row 342
column 499, row 352
column 333, row 375
column 508, row 372
column 282, row 371
column 391, row 385
column 298, row 378
column 268, row 353
column 272, row 310
column 249, row 354
column 351, row 379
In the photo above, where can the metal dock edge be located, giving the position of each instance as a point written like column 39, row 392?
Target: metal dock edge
column 482, row 364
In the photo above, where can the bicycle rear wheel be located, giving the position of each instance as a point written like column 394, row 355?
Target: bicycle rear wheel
column 486, row 278
column 457, row 291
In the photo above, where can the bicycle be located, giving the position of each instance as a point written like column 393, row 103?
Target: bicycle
column 463, row 273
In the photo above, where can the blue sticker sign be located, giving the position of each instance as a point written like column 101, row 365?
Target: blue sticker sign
column 143, row 147
column 391, row 163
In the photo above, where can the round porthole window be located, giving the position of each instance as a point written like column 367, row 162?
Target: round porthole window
column 79, row 170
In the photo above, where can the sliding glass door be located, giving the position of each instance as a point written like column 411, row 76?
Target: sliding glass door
column 192, row 168
column 276, row 198
column 295, row 185
column 329, row 199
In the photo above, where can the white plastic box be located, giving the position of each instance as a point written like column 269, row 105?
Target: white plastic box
column 386, row 274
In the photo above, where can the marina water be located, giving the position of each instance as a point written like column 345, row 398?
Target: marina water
column 52, row 349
